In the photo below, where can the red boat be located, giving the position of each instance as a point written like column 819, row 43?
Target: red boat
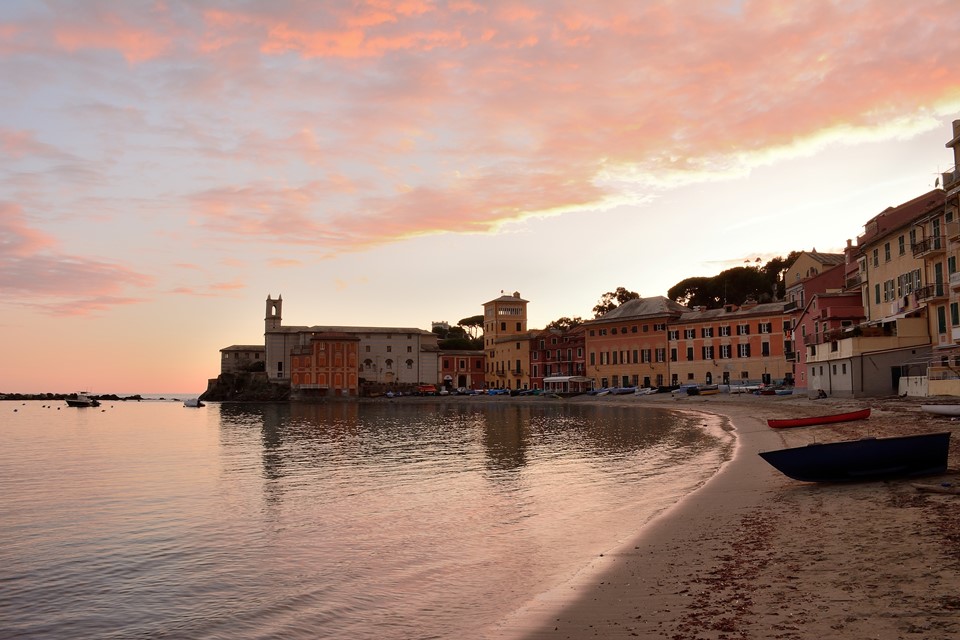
column 808, row 422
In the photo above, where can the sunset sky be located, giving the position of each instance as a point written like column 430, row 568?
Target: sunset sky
column 165, row 166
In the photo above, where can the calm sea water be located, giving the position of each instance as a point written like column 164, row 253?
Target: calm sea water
column 392, row 520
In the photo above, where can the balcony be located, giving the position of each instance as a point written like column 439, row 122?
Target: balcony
column 932, row 292
column 929, row 247
column 955, row 280
column 854, row 281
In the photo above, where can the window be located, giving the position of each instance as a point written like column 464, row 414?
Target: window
column 660, row 327
column 389, row 348
column 593, row 358
column 743, row 329
column 689, row 354
column 743, row 350
column 673, row 354
column 901, row 245
column 876, row 257
column 367, row 349
column 409, row 364
column 942, row 319
column 886, row 252
column 952, row 264
column 689, row 334
column 765, row 348
column 724, row 352
column 673, row 334
column 876, row 293
column 724, row 331
column 661, row 354
column 765, row 327
column 707, row 353
column 706, row 332
column 954, row 314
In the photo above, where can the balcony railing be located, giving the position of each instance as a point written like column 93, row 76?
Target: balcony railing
column 932, row 292
column 955, row 280
column 928, row 246
column 854, row 281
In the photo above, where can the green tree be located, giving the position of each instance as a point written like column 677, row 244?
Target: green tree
column 613, row 299
column 734, row 286
column 565, row 323
column 473, row 325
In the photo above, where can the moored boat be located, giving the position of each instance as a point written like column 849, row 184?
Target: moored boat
column 810, row 421
column 942, row 409
column 83, row 399
column 193, row 402
column 866, row 459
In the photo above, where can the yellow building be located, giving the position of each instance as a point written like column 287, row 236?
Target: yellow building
column 506, row 342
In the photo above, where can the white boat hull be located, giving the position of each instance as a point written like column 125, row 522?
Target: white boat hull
column 942, row 409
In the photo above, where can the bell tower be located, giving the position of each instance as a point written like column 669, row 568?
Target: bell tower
column 273, row 319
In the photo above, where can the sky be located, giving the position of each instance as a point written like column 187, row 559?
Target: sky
column 165, row 166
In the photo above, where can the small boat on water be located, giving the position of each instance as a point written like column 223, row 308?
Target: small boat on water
column 193, row 402
column 942, row 409
column 866, row 459
column 861, row 414
column 83, row 399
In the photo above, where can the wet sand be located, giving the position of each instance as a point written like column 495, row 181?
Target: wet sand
column 754, row 554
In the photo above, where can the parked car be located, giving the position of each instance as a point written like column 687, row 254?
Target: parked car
column 427, row 390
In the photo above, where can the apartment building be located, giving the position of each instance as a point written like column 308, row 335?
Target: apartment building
column 732, row 344
column 326, row 366
column 892, row 279
column 627, row 346
column 462, row 368
column 557, row 353
column 808, row 266
column 939, row 248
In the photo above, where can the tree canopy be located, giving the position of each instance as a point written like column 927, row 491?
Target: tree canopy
column 734, row 286
column 613, row 299
column 473, row 325
column 565, row 323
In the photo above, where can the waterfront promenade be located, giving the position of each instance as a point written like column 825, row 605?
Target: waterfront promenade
column 753, row 554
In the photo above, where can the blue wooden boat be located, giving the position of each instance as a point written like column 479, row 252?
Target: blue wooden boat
column 866, row 459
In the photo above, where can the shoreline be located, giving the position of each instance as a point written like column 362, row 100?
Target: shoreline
column 754, row 554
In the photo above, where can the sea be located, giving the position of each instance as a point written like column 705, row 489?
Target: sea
column 398, row 519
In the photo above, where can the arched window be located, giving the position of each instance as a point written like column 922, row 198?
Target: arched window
column 389, row 363
column 409, row 364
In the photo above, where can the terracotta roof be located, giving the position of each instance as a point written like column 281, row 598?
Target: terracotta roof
column 895, row 217
column 765, row 309
column 244, row 347
column 642, row 307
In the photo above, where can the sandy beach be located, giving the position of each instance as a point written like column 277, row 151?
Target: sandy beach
column 754, row 554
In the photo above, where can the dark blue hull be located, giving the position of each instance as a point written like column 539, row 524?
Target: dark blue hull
column 867, row 459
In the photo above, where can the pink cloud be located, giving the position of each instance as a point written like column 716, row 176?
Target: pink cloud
column 338, row 126
column 33, row 271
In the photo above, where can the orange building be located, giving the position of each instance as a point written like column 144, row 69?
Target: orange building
column 327, row 366
column 732, row 345
column 627, row 347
